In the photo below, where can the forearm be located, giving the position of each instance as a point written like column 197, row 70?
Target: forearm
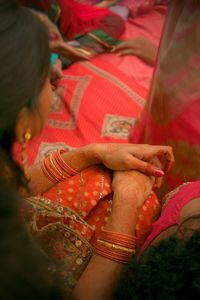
column 78, row 159
column 101, row 275
column 107, row 3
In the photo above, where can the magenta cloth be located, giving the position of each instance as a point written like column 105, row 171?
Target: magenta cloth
column 171, row 213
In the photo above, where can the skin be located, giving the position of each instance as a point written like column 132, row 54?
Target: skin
column 140, row 47
column 56, row 72
column 131, row 188
column 188, row 223
column 106, row 3
column 57, row 43
column 101, row 275
column 117, row 157
column 68, row 51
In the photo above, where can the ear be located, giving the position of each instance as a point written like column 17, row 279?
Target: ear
column 26, row 119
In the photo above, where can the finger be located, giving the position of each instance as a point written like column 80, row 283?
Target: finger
column 84, row 52
column 126, row 52
column 168, row 155
column 157, row 183
column 120, row 47
column 163, row 153
column 145, row 167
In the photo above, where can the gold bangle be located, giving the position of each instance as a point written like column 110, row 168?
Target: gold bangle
column 54, row 167
column 117, row 247
column 84, row 51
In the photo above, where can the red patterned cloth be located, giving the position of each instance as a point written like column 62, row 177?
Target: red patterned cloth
column 94, row 103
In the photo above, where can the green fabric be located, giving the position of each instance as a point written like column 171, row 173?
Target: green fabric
column 53, row 12
column 105, row 37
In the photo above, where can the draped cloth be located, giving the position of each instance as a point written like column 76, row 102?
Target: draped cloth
column 172, row 112
column 77, row 18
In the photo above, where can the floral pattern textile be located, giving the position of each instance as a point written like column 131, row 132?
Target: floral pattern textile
column 66, row 220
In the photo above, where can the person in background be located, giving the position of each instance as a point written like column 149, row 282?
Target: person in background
column 171, row 115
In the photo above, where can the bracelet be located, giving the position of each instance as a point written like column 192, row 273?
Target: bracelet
column 63, row 165
column 46, row 171
column 55, row 168
column 114, row 254
column 116, row 246
column 121, row 239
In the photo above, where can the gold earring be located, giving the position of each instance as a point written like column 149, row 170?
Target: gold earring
column 27, row 138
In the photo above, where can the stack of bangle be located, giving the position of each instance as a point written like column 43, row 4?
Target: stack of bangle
column 55, row 168
column 116, row 246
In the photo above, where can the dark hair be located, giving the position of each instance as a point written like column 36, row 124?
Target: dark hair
column 167, row 271
column 24, row 66
column 24, row 269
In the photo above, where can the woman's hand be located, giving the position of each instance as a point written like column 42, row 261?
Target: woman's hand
column 140, row 47
column 56, row 72
column 135, row 187
column 54, row 33
column 140, row 157
column 70, row 52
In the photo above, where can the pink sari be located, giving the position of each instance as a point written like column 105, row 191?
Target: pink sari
column 137, row 7
column 172, row 113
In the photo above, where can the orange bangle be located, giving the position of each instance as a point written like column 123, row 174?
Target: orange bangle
column 114, row 254
column 55, row 168
column 121, row 239
column 116, row 246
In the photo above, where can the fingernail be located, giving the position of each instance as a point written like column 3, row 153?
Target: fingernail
column 159, row 173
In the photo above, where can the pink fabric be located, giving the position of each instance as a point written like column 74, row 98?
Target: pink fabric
column 150, row 26
column 171, row 116
column 171, row 213
column 138, row 7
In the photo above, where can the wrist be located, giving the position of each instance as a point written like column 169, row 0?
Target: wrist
column 129, row 196
column 91, row 154
column 122, row 220
column 82, row 158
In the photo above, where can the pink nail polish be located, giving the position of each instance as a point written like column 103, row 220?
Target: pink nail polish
column 159, row 173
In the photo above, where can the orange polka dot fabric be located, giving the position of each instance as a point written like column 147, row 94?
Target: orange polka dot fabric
column 86, row 194
column 86, row 201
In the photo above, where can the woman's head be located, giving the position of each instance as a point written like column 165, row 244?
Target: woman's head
column 24, row 67
column 169, row 270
